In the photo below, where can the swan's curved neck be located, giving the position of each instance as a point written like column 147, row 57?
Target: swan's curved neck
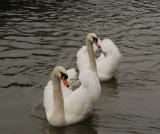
column 58, row 101
column 92, row 61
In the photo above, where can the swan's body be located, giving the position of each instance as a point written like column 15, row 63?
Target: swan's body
column 78, row 104
column 106, row 65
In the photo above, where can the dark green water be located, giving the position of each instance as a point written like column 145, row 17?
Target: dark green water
column 37, row 34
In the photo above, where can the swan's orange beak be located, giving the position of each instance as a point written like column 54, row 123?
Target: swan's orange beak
column 65, row 82
column 96, row 43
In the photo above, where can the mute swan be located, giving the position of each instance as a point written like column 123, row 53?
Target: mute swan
column 62, row 108
column 106, row 65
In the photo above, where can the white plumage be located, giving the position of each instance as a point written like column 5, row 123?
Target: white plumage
column 78, row 104
column 106, row 65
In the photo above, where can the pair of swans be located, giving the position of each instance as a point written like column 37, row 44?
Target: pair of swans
column 63, row 105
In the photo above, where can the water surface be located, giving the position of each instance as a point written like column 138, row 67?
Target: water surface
column 36, row 35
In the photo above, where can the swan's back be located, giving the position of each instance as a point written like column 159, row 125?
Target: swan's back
column 110, row 48
column 113, row 53
column 83, row 59
column 107, row 66
column 82, row 101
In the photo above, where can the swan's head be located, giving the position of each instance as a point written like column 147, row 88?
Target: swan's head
column 93, row 39
column 60, row 72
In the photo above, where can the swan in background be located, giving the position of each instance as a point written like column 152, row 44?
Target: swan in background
column 108, row 62
column 105, row 65
column 64, row 106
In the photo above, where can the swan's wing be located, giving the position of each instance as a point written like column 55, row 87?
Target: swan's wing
column 82, row 59
column 90, row 81
column 90, row 85
column 105, row 44
column 82, row 100
column 108, row 65
column 71, row 73
column 101, row 57
column 108, row 46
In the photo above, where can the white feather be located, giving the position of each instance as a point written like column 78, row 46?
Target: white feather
column 71, row 73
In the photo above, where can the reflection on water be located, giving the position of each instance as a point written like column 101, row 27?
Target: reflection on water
column 85, row 127
column 110, row 87
column 36, row 35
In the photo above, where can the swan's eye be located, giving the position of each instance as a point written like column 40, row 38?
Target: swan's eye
column 64, row 76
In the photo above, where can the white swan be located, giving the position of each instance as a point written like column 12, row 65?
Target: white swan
column 67, row 108
column 106, row 65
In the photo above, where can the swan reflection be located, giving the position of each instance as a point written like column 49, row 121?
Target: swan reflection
column 85, row 127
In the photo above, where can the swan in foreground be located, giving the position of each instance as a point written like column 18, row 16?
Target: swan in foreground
column 105, row 65
column 64, row 106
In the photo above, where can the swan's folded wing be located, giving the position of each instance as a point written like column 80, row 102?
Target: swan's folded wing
column 107, row 45
column 82, row 59
column 101, row 57
column 71, row 73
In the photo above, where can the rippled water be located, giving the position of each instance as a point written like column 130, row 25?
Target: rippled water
column 35, row 35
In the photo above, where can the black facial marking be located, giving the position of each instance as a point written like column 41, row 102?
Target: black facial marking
column 95, row 39
column 63, row 75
